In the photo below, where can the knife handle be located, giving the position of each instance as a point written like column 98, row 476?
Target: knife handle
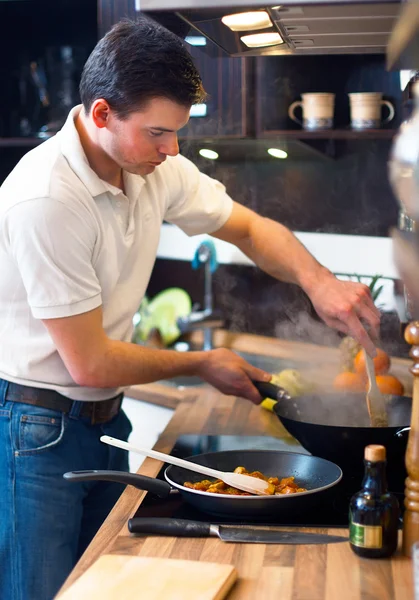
column 172, row 527
column 271, row 390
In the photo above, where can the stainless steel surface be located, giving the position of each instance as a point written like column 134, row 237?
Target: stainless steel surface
column 207, row 319
column 270, row 364
column 225, row 4
column 267, row 536
column 403, row 45
column 404, row 178
column 306, row 27
column 404, row 164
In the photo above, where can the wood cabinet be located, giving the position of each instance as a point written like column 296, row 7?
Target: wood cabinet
column 229, row 84
column 43, row 47
column 248, row 98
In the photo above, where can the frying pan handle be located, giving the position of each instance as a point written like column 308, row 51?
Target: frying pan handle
column 172, row 527
column 270, row 390
column 141, row 482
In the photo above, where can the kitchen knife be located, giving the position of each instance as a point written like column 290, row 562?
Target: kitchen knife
column 227, row 533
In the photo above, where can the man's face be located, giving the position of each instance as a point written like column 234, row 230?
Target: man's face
column 142, row 142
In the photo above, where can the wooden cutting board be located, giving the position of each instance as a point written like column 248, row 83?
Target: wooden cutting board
column 114, row 577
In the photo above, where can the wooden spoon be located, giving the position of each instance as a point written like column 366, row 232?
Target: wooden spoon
column 375, row 400
column 253, row 485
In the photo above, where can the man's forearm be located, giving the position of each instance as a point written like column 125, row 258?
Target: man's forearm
column 277, row 251
column 123, row 364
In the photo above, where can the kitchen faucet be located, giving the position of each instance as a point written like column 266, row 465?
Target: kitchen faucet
column 207, row 319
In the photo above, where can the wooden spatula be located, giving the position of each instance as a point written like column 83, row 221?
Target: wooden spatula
column 253, row 485
column 375, row 400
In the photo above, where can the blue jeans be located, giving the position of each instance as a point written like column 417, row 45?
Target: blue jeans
column 47, row 522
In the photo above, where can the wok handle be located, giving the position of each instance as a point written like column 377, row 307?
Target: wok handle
column 141, row 482
column 270, row 390
column 172, row 527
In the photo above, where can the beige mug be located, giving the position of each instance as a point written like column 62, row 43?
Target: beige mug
column 318, row 109
column 366, row 110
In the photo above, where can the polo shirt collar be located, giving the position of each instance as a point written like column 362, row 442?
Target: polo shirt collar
column 72, row 150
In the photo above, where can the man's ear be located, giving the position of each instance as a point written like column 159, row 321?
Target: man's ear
column 100, row 113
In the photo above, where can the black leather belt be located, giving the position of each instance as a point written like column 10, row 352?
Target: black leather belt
column 100, row 411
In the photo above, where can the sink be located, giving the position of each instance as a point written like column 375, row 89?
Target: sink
column 183, row 381
column 270, row 364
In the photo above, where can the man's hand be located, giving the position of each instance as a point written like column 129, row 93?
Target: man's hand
column 347, row 306
column 232, row 375
column 94, row 360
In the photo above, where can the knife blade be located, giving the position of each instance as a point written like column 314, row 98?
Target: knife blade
column 227, row 533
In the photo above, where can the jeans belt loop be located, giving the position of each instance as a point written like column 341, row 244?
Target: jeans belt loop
column 93, row 417
column 75, row 409
column 4, row 385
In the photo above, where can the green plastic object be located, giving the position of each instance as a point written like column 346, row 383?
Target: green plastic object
column 162, row 313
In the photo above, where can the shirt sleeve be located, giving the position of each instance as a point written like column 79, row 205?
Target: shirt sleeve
column 52, row 245
column 198, row 203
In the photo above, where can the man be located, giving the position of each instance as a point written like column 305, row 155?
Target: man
column 80, row 221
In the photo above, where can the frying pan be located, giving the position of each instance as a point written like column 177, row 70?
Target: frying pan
column 316, row 474
column 336, row 426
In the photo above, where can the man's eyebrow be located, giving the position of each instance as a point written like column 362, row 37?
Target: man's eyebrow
column 162, row 129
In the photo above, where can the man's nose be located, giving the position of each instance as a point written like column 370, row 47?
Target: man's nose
column 170, row 148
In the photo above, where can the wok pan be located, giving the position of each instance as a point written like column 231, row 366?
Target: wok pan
column 336, row 426
column 316, row 474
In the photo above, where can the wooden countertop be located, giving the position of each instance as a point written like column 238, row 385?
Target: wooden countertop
column 328, row 572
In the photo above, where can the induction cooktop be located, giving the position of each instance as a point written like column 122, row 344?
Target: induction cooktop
column 333, row 511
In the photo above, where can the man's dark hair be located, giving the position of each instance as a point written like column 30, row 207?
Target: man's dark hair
column 135, row 62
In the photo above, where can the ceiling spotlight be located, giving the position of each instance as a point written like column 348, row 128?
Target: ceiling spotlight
column 257, row 40
column 207, row 153
column 277, row 153
column 247, row 21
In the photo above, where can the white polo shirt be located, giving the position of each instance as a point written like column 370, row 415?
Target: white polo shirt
column 70, row 242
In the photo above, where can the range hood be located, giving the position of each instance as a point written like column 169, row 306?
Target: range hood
column 301, row 27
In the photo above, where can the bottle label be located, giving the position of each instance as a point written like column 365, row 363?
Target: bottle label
column 366, row 536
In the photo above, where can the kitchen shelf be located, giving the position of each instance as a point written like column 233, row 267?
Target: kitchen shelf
column 16, row 142
column 249, row 149
column 331, row 134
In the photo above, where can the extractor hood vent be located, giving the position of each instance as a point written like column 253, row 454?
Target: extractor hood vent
column 328, row 28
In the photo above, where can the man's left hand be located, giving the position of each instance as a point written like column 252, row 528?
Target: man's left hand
column 348, row 306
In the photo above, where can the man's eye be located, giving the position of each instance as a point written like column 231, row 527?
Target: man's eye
column 156, row 133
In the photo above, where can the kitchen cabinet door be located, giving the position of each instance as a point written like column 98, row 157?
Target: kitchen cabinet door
column 229, row 103
column 227, row 80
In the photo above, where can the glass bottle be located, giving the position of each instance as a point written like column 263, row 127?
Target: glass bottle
column 374, row 511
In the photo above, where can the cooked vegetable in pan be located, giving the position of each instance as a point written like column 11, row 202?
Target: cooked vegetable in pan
column 286, row 485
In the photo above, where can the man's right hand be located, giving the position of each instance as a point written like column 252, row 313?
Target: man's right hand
column 95, row 360
column 231, row 374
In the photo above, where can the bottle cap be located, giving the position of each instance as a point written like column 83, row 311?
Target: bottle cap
column 375, row 453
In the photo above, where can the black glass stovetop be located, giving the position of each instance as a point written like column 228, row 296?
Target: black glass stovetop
column 333, row 511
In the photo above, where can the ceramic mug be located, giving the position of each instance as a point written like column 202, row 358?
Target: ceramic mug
column 366, row 110
column 318, row 109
